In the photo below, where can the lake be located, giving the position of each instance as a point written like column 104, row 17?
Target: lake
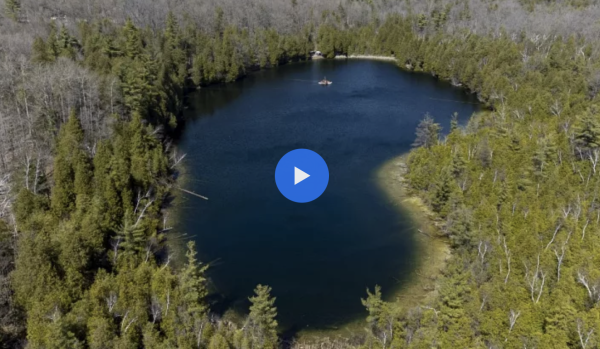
column 319, row 257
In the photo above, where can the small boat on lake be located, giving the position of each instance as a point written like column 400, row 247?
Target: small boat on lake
column 325, row 82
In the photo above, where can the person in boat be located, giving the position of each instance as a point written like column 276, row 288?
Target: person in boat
column 324, row 81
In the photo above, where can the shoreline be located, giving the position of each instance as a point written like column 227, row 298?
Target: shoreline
column 175, row 239
column 370, row 57
column 433, row 251
column 421, row 286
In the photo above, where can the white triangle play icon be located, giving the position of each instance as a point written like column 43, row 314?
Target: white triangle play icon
column 299, row 175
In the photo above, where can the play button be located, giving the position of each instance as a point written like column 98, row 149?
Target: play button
column 302, row 175
column 299, row 175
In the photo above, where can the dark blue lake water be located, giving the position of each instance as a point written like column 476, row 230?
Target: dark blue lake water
column 318, row 257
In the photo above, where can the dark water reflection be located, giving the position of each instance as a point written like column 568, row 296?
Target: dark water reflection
column 321, row 256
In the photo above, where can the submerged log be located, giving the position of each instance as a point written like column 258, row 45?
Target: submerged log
column 192, row 193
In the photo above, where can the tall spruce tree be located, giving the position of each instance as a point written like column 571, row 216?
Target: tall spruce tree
column 132, row 45
column 427, row 133
column 52, row 43
column 444, row 189
column 71, row 171
column 454, row 122
column 587, row 132
column 66, row 43
column 261, row 320
column 41, row 53
column 193, row 284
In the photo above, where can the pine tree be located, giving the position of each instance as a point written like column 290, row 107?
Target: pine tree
column 107, row 202
column 374, row 305
column 41, row 52
column 12, row 9
column 59, row 337
column 443, row 193
column 68, row 155
column 139, row 144
column 559, row 316
column 193, row 284
column 101, row 332
column 172, row 31
column 120, row 171
column 136, row 84
column 151, row 337
column 82, row 170
column 383, row 318
column 218, row 341
column 231, row 65
column 219, row 26
column 52, row 42
column 459, row 165
column 587, row 132
column 66, row 43
column 262, row 318
column 427, row 133
column 453, row 318
column 459, row 227
column 454, row 122
column 376, row 308
column 132, row 239
column 133, row 42
column 422, row 21
column 273, row 47
column 544, row 154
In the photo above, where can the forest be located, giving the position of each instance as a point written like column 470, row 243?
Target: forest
column 91, row 92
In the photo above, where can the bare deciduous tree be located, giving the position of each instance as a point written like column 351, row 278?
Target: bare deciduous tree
column 592, row 287
column 507, row 254
column 584, row 335
column 535, row 280
column 561, row 257
column 512, row 319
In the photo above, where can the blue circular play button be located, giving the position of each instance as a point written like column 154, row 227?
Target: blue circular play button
column 301, row 175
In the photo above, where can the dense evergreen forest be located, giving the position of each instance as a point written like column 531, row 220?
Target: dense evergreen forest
column 90, row 92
